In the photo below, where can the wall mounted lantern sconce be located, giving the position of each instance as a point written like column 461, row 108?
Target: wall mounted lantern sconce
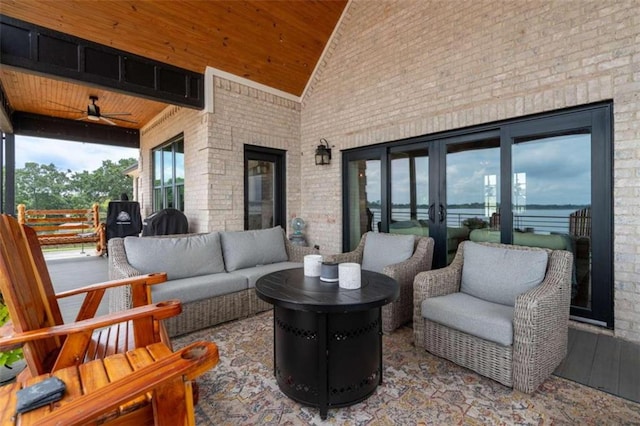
column 323, row 153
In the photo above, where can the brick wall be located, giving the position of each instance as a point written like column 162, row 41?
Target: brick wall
column 214, row 155
column 409, row 68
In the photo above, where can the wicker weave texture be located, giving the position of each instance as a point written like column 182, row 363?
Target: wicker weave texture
column 199, row 314
column 401, row 311
column 540, row 327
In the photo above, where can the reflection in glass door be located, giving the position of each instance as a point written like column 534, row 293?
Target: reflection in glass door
column 364, row 198
column 261, row 182
column 264, row 188
column 551, row 201
column 472, row 193
column 409, row 192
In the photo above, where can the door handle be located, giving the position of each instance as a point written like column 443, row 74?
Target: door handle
column 432, row 214
column 442, row 213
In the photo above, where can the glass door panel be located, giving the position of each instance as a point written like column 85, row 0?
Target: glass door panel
column 364, row 199
column 551, row 201
column 472, row 193
column 264, row 187
column 409, row 192
column 261, row 194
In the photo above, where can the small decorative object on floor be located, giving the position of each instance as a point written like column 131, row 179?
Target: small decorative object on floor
column 349, row 275
column 329, row 272
column 312, row 265
column 297, row 237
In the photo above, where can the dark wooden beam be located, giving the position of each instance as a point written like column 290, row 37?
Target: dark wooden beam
column 5, row 112
column 27, row 124
column 39, row 50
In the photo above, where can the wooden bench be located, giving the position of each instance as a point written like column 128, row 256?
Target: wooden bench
column 66, row 226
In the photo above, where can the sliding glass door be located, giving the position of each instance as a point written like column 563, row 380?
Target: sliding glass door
column 543, row 181
column 364, row 196
column 471, row 190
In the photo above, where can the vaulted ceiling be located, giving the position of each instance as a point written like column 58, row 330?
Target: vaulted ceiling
column 274, row 43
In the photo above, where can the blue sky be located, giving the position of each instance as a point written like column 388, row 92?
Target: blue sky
column 75, row 156
column 557, row 169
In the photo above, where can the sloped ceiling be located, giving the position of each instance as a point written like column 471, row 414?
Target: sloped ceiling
column 274, row 43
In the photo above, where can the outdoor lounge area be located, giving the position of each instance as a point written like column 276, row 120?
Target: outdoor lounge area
column 470, row 168
column 417, row 386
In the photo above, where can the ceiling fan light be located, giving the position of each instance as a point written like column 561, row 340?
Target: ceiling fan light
column 93, row 118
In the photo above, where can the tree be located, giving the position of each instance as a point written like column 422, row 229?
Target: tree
column 41, row 186
column 45, row 187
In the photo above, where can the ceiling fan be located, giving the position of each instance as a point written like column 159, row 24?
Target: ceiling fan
column 93, row 113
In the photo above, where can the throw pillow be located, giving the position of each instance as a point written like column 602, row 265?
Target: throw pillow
column 245, row 249
column 500, row 275
column 382, row 250
column 179, row 257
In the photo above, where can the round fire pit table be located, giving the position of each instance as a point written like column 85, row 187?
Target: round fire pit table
column 327, row 340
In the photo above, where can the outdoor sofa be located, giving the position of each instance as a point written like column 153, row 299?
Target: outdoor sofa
column 213, row 274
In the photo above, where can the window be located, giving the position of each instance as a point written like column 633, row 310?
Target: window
column 542, row 181
column 168, row 175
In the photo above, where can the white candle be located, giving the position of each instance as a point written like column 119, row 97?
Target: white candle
column 312, row 265
column 349, row 275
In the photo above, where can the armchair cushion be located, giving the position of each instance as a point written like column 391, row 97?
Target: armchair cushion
column 499, row 275
column 477, row 317
column 251, row 248
column 179, row 257
column 381, row 250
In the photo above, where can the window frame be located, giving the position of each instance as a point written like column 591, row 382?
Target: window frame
column 177, row 189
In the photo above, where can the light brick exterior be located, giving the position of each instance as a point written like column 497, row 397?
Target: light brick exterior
column 214, row 152
column 397, row 69
column 408, row 68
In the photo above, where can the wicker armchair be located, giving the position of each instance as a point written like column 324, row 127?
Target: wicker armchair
column 539, row 325
column 399, row 312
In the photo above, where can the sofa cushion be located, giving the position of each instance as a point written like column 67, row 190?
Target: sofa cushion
column 486, row 320
column 198, row 288
column 244, row 249
column 381, row 250
column 179, row 257
column 252, row 274
column 500, row 275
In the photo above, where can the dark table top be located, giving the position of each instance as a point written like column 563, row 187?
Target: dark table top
column 291, row 289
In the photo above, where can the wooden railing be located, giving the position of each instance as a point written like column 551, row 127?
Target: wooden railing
column 66, row 226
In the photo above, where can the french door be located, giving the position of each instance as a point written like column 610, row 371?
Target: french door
column 264, row 187
column 538, row 181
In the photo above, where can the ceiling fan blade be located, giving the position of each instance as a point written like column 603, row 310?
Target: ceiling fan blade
column 111, row 114
column 122, row 119
column 102, row 117
column 68, row 106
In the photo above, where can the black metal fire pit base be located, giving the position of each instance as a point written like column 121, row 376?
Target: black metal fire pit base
column 328, row 360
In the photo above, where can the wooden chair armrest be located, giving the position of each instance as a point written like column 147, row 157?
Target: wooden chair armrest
column 137, row 286
column 187, row 363
column 147, row 279
column 157, row 311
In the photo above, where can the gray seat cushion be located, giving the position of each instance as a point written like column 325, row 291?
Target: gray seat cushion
column 245, row 249
column 199, row 288
column 500, row 275
column 180, row 257
column 381, row 250
column 486, row 320
column 252, row 274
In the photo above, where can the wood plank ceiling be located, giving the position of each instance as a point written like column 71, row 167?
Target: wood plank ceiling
column 275, row 43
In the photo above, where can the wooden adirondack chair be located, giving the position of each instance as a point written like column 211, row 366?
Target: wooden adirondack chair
column 147, row 386
column 48, row 343
column 118, row 368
